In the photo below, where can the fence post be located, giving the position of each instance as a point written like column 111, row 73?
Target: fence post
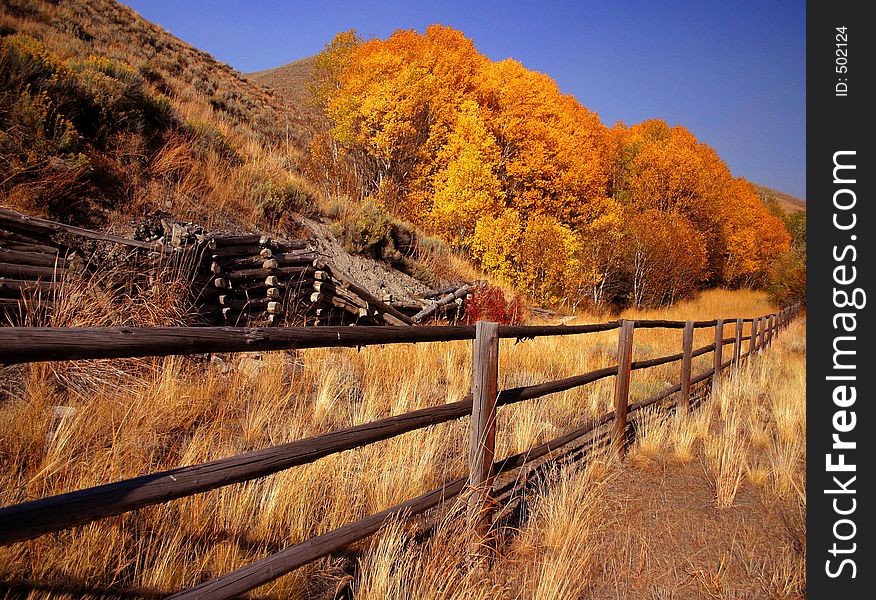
column 752, row 343
column 761, row 324
column 737, row 344
column 718, row 355
column 622, row 385
column 482, row 438
column 687, row 350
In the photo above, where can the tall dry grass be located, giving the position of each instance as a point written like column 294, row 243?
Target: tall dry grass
column 64, row 428
column 708, row 505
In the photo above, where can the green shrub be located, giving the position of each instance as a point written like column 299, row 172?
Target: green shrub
column 369, row 231
column 274, row 199
column 208, row 138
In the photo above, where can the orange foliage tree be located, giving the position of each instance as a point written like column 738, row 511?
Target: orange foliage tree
column 496, row 160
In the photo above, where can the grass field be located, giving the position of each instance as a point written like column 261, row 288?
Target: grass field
column 608, row 530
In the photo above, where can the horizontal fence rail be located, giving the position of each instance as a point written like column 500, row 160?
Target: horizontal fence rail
column 38, row 344
column 32, row 519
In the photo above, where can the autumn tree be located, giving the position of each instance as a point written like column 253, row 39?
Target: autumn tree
column 665, row 257
column 467, row 187
column 492, row 157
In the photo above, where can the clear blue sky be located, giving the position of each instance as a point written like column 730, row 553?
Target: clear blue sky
column 731, row 72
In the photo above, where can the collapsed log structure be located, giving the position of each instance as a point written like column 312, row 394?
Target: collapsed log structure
column 235, row 278
column 32, row 263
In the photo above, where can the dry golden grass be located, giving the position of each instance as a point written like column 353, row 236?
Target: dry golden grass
column 682, row 524
column 155, row 414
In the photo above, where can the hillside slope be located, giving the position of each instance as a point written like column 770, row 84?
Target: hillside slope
column 787, row 202
column 290, row 82
column 105, row 115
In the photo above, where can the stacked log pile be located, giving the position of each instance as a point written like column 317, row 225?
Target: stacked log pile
column 252, row 279
column 32, row 264
column 256, row 280
column 236, row 278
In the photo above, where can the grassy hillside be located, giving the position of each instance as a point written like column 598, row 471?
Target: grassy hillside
column 787, row 202
column 104, row 114
column 292, row 82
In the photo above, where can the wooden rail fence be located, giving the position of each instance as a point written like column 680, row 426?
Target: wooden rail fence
column 35, row 518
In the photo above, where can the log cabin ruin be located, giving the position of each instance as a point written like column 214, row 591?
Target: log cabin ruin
column 232, row 278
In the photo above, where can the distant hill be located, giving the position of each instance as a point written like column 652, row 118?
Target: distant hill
column 787, row 202
column 290, row 82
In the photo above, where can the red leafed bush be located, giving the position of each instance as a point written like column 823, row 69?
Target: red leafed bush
column 488, row 303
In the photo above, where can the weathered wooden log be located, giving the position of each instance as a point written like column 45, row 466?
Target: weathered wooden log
column 439, row 292
column 270, row 263
column 322, row 275
column 29, row 272
column 266, row 253
column 288, row 245
column 31, row 248
column 262, row 274
column 236, row 262
column 461, row 292
column 384, row 309
column 219, row 240
column 16, row 220
column 235, row 251
column 404, row 306
column 36, row 344
column 291, row 287
column 687, row 349
column 24, row 238
column 220, row 282
column 482, row 431
column 18, row 286
column 622, row 386
column 267, row 569
column 31, row 258
column 305, row 280
column 291, row 258
column 258, row 261
column 273, row 293
column 228, row 301
column 326, row 299
column 275, row 308
column 324, row 286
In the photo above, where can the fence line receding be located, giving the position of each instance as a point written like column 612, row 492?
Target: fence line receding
column 32, row 519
